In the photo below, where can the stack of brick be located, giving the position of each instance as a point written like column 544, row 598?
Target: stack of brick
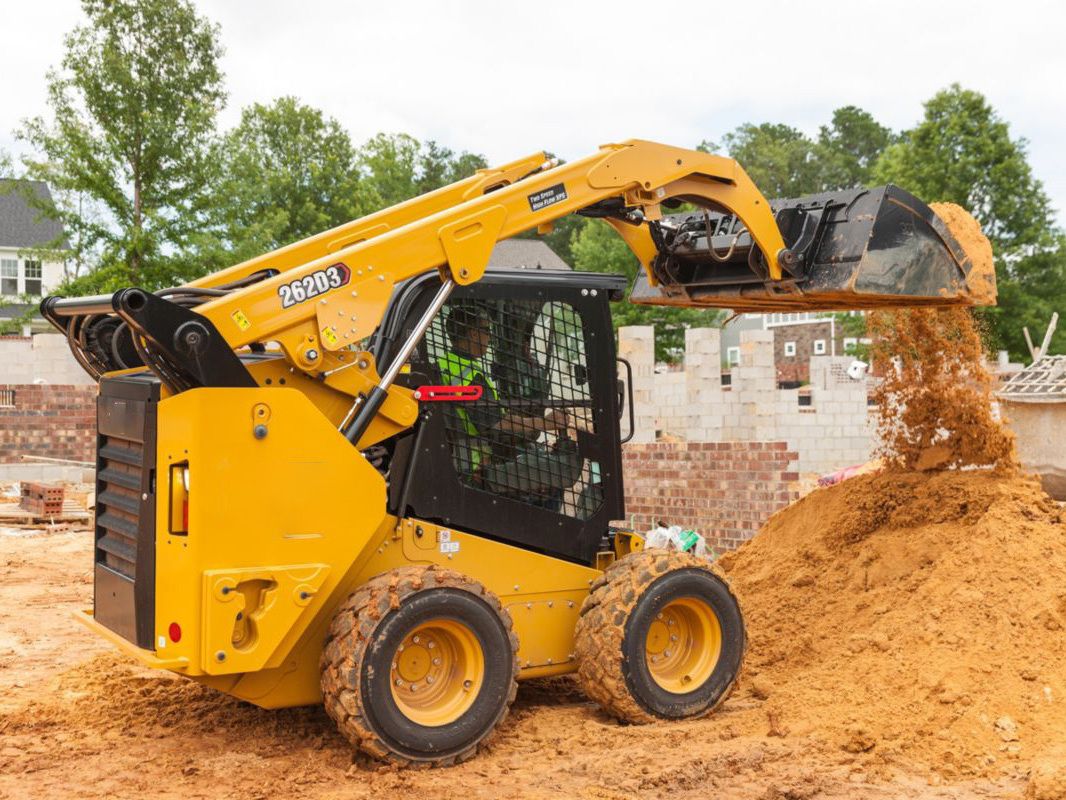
column 49, row 421
column 726, row 491
column 41, row 498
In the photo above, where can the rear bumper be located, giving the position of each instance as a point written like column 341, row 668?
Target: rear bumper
column 146, row 657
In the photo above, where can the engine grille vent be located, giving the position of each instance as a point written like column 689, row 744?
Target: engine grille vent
column 119, row 476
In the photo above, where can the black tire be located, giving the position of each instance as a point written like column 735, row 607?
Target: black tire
column 361, row 653
column 612, row 635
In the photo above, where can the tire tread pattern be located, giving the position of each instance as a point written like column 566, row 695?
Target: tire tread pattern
column 349, row 641
column 601, row 628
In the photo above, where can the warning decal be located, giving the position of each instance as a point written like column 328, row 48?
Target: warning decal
column 547, row 197
column 241, row 320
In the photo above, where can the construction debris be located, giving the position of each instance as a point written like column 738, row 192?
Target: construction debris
column 30, row 505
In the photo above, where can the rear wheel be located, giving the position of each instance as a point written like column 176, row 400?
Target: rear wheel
column 660, row 636
column 419, row 666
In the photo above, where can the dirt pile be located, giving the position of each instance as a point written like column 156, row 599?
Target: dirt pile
column 916, row 617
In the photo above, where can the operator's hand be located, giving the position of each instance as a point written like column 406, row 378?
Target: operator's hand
column 557, row 419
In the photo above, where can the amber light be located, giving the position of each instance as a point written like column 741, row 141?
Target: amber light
column 179, row 499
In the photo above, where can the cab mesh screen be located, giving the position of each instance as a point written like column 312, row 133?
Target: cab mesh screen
column 519, row 440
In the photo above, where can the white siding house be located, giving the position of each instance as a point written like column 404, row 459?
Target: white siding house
column 25, row 276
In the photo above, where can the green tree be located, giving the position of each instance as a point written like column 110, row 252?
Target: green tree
column 962, row 152
column 133, row 108
column 784, row 162
column 565, row 232
column 1035, row 289
column 597, row 248
column 284, row 173
column 778, row 158
column 848, row 148
column 400, row 167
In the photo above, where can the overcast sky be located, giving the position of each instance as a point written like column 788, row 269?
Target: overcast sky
column 506, row 79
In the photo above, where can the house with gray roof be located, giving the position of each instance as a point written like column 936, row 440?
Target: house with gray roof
column 26, row 273
column 525, row 254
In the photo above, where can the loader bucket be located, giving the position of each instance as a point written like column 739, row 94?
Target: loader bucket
column 860, row 248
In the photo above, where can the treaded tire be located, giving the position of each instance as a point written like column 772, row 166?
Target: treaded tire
column 360, row 646
column 611, row 631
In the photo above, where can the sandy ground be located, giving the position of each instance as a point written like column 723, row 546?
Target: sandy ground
column 79, row 720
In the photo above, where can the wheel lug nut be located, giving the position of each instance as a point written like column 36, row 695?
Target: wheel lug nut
column 399, row 682
column 429, row 679
column 669, row 622
column 431, row 644
column 436, row 662
column 673, row 638
column 415, row 638
column 467, row 684
column 666, row 654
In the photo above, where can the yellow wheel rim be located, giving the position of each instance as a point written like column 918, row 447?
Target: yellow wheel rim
column 437, row 672
column 683, row 645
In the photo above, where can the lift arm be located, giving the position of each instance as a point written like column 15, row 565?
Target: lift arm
column 310, row 310
column 320, row 296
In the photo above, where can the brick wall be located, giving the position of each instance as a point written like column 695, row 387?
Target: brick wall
column 724, row 490
column 797, row 367
column 51, row 421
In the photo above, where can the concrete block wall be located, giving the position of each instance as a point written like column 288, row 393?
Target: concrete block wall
column 41, row 358
column 832, row 433
column 636, row 344
column 724, row 490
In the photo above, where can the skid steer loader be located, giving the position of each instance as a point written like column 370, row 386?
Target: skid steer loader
column 363, row 470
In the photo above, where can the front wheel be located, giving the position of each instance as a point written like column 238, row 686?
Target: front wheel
column 660, row 636
column 419, row 666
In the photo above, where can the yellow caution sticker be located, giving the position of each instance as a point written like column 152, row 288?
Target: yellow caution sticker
column 241, row 320
column 329, row 336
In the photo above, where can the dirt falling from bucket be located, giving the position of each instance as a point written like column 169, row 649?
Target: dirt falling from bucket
column 935, row 404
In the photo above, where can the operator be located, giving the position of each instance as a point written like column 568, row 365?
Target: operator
column 495, row 448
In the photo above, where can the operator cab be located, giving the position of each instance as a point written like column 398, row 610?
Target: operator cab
column 532, row 453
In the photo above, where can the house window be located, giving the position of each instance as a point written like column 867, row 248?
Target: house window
column 733, row 355
column 819, row 347
column 790, row 348
column 9, row 276
column 32, row 273
column 850, row 344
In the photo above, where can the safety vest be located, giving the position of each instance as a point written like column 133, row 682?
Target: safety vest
column 457, row 370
